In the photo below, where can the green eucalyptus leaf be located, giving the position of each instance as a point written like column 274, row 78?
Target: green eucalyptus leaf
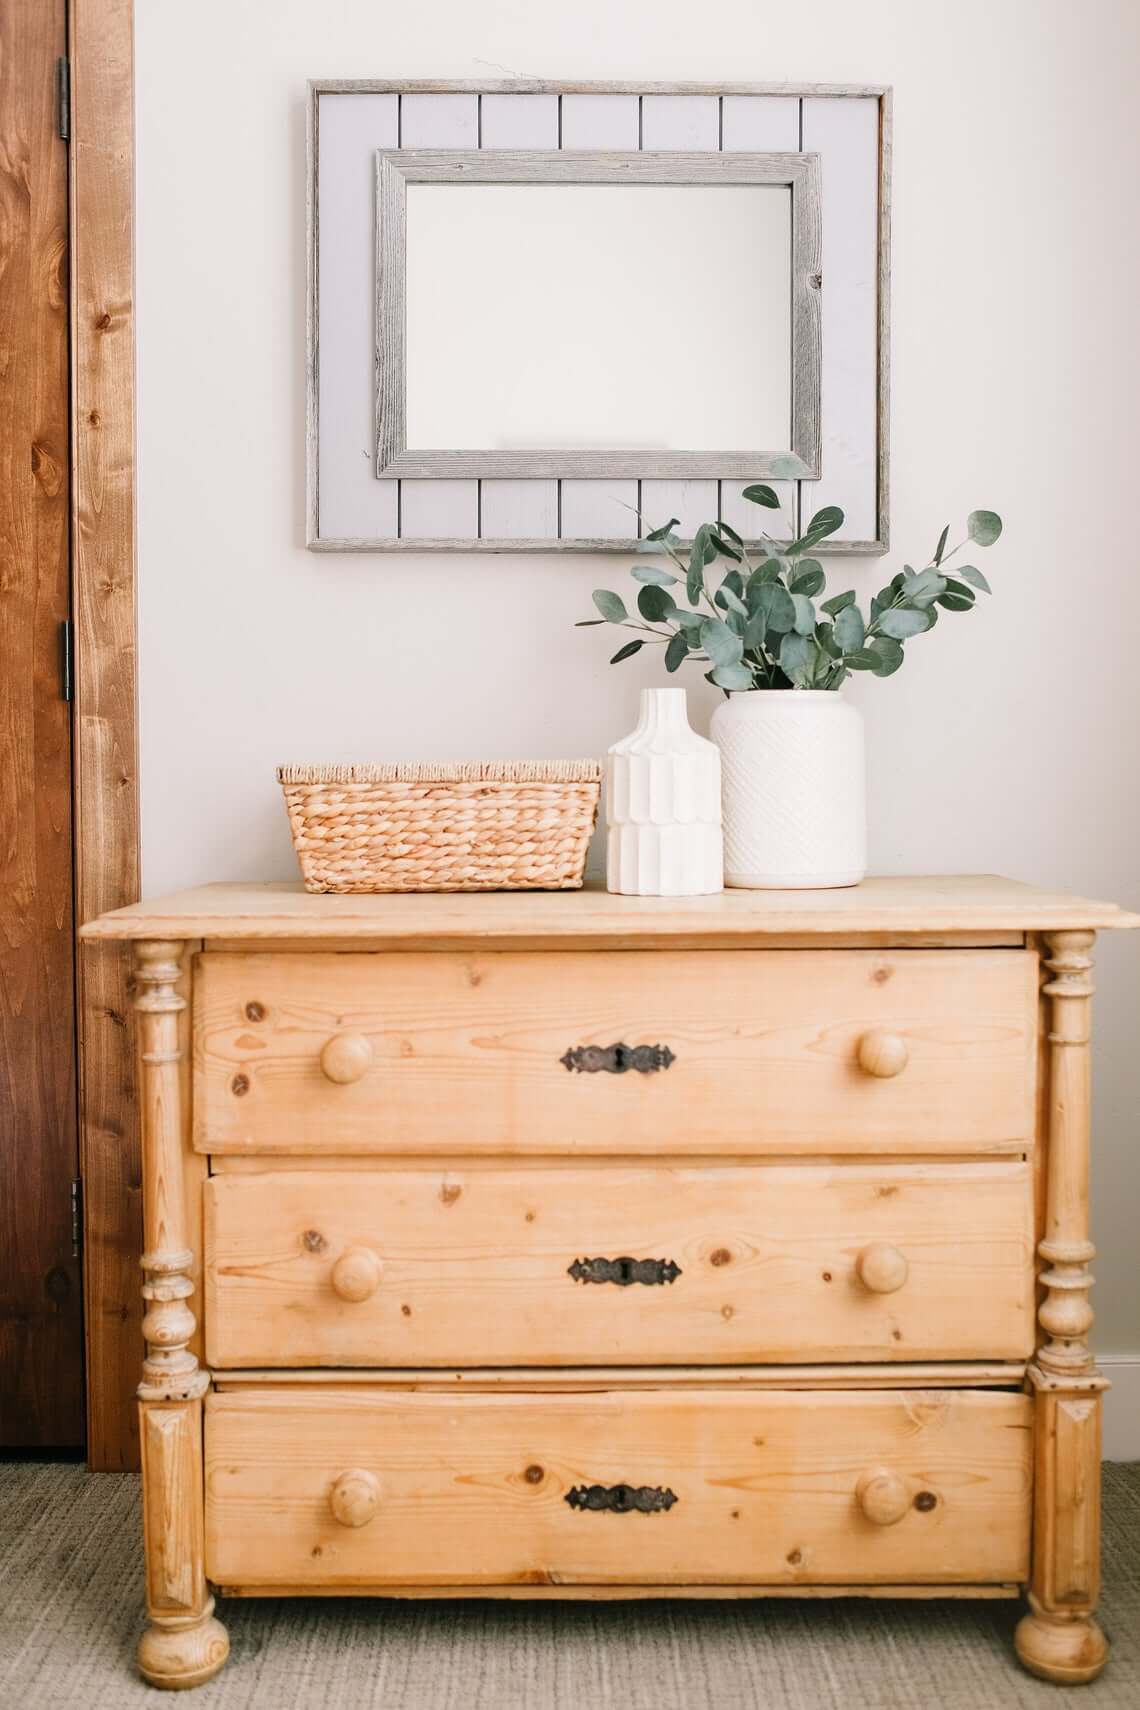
column 695, row 580
column 804, row 619
column 823, row 523
column 655, row 604
column 865, row 659
column 899, row 624
column 941, row 547
column 588, row 622
column 769, row 571
column 796, row 655
column 727, row 597
column 687, row 619
column 676, row 652
column 969, row 574
column 611, row 606
column 723, row 546
column 825, row 636
column 984, row 527
column 731, row 533
column 888, row 654
column 808, row 578
column 651, row 574
column 762, row 495
column 955, row 602
column 719, row 642
column 849, row 629
column 663, row 533
column 959, row 588
column 922, row 590
column 734, row 580
column 627, row 652
column 732, row 677
column 771, row 608
column 839, row 602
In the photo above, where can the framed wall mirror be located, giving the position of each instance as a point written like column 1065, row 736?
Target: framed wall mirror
column 652, row 315
column 549, row 316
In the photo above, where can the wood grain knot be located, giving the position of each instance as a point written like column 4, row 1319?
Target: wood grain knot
column 534, row 1474
column 255, row 1012
column 314, row 1241
column 925, row 1501
column 239, row 1086
column 721, row 1256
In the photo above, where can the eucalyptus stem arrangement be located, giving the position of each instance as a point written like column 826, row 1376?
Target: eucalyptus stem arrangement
column 760, row 626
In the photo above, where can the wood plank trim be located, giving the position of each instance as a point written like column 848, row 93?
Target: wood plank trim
column 396, row 169
column 540, row 86
column 621, row 1593
column 105, row 710
column 945, row 1375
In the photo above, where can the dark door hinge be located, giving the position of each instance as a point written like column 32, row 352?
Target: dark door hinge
column 66, row 659
column 76, row 1217
column 63, row 96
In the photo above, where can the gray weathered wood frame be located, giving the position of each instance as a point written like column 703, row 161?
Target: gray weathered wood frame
column 873, row 541
column 799, row 173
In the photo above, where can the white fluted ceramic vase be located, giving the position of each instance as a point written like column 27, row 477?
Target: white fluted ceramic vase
column 793, row 786
column 663, row 805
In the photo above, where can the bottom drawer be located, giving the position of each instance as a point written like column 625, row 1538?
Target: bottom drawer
column 359, row 1487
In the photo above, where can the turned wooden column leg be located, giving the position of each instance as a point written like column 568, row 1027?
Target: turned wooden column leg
column 184, row 1644
column 1058, row 1639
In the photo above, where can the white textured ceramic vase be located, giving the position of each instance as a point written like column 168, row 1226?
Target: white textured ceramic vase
column 793, row 784
column 663, row 805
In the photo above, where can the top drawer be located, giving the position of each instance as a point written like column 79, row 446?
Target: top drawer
column 746, row 1051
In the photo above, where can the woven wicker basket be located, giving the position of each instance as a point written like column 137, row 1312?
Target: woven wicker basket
column 479, row 826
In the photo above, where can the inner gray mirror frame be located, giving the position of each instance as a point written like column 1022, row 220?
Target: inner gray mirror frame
column 799, row 172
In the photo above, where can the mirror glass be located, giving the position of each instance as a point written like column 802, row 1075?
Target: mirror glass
column 608, row 316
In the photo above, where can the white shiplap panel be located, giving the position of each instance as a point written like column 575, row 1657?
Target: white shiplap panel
column 845, row 132
column 600, row 122
column 350, row 500
column 439, row 121
column 680, row 121
column 599, row 510
column 691, row 502
column 749, row 520
column 519, row 510
column 439, row 510
column 761, row 123
column 519, row 121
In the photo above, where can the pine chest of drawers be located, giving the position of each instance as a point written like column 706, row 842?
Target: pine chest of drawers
column 577, row 1245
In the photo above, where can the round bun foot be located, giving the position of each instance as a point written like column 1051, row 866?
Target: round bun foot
column 184, row 1654
column 1068, row 1652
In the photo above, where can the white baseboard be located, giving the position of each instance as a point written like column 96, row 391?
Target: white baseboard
column 1121, row 1406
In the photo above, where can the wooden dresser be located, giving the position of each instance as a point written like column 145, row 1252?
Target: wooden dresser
column 574, row 1245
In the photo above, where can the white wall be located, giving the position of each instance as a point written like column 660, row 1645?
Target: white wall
column 1008, row 742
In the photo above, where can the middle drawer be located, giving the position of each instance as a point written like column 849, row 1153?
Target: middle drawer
column 619, row 1265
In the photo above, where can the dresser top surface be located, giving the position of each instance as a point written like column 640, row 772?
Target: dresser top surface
column 970, row 904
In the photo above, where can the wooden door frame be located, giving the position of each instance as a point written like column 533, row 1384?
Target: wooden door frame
column 105, row 710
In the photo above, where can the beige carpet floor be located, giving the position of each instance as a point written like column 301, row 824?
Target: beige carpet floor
column 71, row 1599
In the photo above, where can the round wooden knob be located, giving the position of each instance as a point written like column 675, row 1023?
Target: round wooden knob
column 356, row 1274
column 882, row 1054
column 881, row 1268
column 883, row 1496
column 355, row 1497
column 346, row 1057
